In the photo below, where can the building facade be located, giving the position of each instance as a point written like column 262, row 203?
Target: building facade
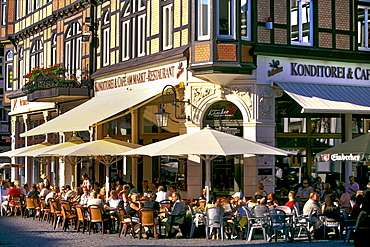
column 292, row 74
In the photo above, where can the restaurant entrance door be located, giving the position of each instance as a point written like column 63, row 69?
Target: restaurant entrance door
column 226, row 172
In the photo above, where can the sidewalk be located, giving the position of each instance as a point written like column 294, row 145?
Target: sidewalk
column 17, row 231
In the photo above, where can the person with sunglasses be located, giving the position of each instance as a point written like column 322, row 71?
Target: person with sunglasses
column 304, row 191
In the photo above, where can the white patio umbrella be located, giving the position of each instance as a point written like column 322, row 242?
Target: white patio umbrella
column 19, row 151
column 43, row 154
column 207, row 144
column 107, row 151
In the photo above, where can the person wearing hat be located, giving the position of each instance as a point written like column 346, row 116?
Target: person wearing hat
column 68, row 194
column 45, row 180
column 237, row 201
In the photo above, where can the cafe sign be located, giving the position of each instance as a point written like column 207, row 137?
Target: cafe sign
column 282, row 69
column 341, row 157
column 175, row 71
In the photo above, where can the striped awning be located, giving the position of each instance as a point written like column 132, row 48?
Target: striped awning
column 324, row 98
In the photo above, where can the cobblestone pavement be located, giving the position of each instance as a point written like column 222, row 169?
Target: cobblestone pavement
column 17, row 231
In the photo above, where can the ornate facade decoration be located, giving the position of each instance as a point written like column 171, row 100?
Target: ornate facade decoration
column 265, row 102
column 201, row 94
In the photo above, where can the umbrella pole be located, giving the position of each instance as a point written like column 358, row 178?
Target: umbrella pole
column 107, row 181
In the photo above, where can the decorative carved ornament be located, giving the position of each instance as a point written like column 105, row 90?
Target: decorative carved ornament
column 200, row 95
column 265, row 102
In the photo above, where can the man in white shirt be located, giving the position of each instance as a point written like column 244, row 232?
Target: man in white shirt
column 161, row 194
column 113, row 202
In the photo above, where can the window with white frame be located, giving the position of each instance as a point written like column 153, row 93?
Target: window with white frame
column 167, row 26
column 3, row 12
column 37, row 56
column 225, row 19
column 29, row 6
column 126, row 44
column 133, row 29
column 106, row 39
column 141, row 35
column 36, row 4
column 18, row 9
column 9, row 70
column 203, row 19
column 54, row 49
column 301, row 22
column 246, row 19
column 20, row 68
column 72, row 50
column 363, row 19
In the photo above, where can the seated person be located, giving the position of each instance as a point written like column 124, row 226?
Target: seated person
column 94, row 200
column 203, row 196
column 13, row 191
column 161, row 194
column 68, row 194
column 4, row 196
column 304, row 191
column 260, row 191
column 152, row 203
column 34, row 191
column 178, row 210
column 345, row 198
column 54, row 194
column 113, row 203
column 272, row 200
column 312, row 204
column 329, row 209
column 43, row 190
column 292, row 202
column 356, row 209
column 85, row 197
column 237, row 201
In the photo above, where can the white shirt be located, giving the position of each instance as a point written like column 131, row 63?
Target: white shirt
column 113, row 203
column 279, row 173
column 161, row 195
column 84, row 199
column 4, row 194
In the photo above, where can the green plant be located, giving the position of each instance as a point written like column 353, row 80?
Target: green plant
column 47, row 78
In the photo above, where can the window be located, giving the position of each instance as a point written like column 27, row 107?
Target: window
column 37, row 54
column 141, row 35
column 126, row 40
column 72, row 50
column 29, row 6
column 3, row 20
column 106, row 39
column 203, row 10
column 20, row 69
column 246, row 19
column 167, row 27
column 363, row 28
column 133, row 29
column 54, row 50
column 17, row 9
column 36, row 4
column 225, row 22
column 301, row 16
column 9, row 70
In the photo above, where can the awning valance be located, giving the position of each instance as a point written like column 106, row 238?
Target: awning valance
column 97, row 109
column 323, row 98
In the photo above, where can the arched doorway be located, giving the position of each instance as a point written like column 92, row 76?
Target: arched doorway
column 226, row 172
